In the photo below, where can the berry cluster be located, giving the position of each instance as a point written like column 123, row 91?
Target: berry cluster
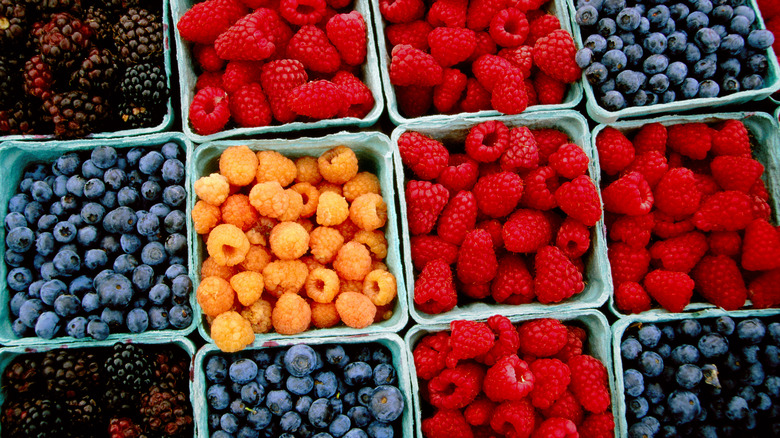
column 468, row 56
column 715, row 376
column 494, row 379
column 322, row 392
column 517, row 201
column 124, row 391
column 264, row 61
column 71, row 68
column 638, row 54
column 687, row 203
column 267, row 244
column 94, row 244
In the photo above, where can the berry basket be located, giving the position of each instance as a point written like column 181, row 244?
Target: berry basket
column 619, row 329
column 763, row 131
column 602, row 115
column 572, row 97
column 17, row 156
column 593, row 321
column 188, row 77
column 391, row 341
column 374, row 152
column 598, row 281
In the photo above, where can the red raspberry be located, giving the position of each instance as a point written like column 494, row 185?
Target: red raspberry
column 498, row 194
column 724, row 211
column 693, row 140
column 628, row 195
column 615, row 151
column 477, row 98
column 542, row 337
column 209, row 111
column 600, row 425
column 458, row 218
column 541, row 26
column 736, row 173
column 665, row 227
column 556, row 276
column 302, row 12
column 720, row 282
column 451, row 45
column 760, row 247
column 509, row 94
column 424, row 201
column 522, row 152
column 567, row 407
column 556, row 428
column 430, row 354
column 485, row 46
column 507, row 339
column 633, row 230
column 552, row 377
column 478, row 291
column 579, row 199
column 476, row 258
column 526, row 231
column 706, row 184
column 548, row 90
column 589, row 383
column 627, row 263
column 651, row 137
column 426, row 157
column 348, row 33
column 521, row 57
column 434, row 290
column 468, row 339
column 486, row 141
column 311, row 47
column 768, row 8
column 494, row 227
column 358, row 95
column 727, row 243
column 204, row 22
column 480, row 12
column 513, row 283
column 207, row 58
column 447, row 94
column 539, row 188
column 401, row 11
column 446, row 424
column 278, row 78
column 456, row 388
column 677, row 194
column 450, row 13
column 509, row 27
column 318, row 100
column 254, row 37
column 672, row 290
column 554, row 55
column 680, row 253
column 509, row 379
column 427, row 248
column 410, row 66
column 249, row 107
column 414, row 34
column 573, row 238
column 478, row 413
column 731, row 139
column 514, row 419
column 240, row 73
column 631, row 297
column 652, row 165
column 549, row 140
column 460, row 174
column 759, row 189
column 575, row 336
column 490, row 70
column 531, row 93
column 209, row 79
column 763, row 290
column 414, row 100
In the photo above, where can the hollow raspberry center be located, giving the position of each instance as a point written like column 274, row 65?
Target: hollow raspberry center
column 490, row 140
column 512, row 26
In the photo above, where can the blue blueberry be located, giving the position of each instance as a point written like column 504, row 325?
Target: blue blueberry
column 121, row 220
column 595, row 3
column 14, row 259
column 754, row 374
column 629, row 81
column 772, row 385
column 596, row 43
column 584, row 57
column 180, row 316
column 771, row 356
column 713, row 345
column 651, row 364
column 689, row 88
column 216, row 369
column 655, row 64
column 67, row 262
column 586, row 15
column 20, row 239
column 41, row 192
column 143, row 277
column 299, row 360
column 655, row 43
column 153, row 254
column 158, row 318
column 737, row 409
column 758, row 64
column 47, row 325
column 130, row 243
column 696, row 20
column 612, row 7
column 175, row 243
column 751, row 331
column 115, row 291
column 77, row 327
column 336, row 356
column 243, row 371
column 274, row 375
column 67, row 305
column 60, row 186
column 218, row 397
column 387, row 403
column 628, row 38
column 67, row 164
column 320, row 413
column 151, row 162
column 174, row 196
column 148, row 224
column 252, row 393
column 606, row 27
column 125, row 264
column 634, row 382
column 339, row 426
column 19, row 279
column 752, row 82
column 689, row 328
column 740, row 25
column 353, row 433
column 30, row 311
column 357, row 374
column 596, row 73
column 259, row 418
column 279, row 402
column 51, row 290
column 181, row 286
column 763, row 403
column 613, row 101
column 137, row 320
column 634, row 54
column 684, row 406
column 628, row 19
column 384, row 374
column 94, row 189
column 704, row 6
column 115, row 318
column 688, row 376
column 290, row 422
column 707, row 40
column 360, row 416
column 750, row 353
column 90, row 302
column 90, row 170
column 127, row 196
column 159, row 294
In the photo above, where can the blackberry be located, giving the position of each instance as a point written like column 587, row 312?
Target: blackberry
column 13, row 22
column 172, row 368
column 64, row 41
column 10, row 78
column 50, row 6
column 124, row 428
column 99, row 22
column 82, row 414
column 68, row 374
column 21, row 376
column 75, row 113
column 129, row 368
column 167, row 411
column 37, row 418
column 119, row 400
column 23, row 118
column 138, row 36
column 97, row 73
column 38, row 78
column 132, row 116
column 146, row 85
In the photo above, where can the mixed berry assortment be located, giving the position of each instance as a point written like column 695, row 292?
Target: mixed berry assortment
column 96, row 244
column 325, row 391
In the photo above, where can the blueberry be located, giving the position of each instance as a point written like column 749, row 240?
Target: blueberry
column 90, row 170
column 121, row 220
column 137, row 320
column 151, row 162
column 290, row 422
column 51, row 290
column 19, row 279
column 218, row 397
column 639, row 430
column 15, row 259
column 113, row 317
column 320, row 413
column 274, row 375
column 707, row 40
column 159, row 293
column 67, row 262
column 67, row 305
column 19, row 201
column 124, row 264
column 595, row 3
column 737, row 409
column 696, row 20
column 614, row 42
column 684, row 406
column 584, row 57
column 357, row 374
column 752, row 82
column 611, row 7
column 299, row 360
column 336, row 356
column 148, row 224
column 387, row 403
column 754, row 374
column 20, row 239
column 713, row 345
column 174, row 196
column 655, row 64
column 364, row 395
column 747, row 12
column 243, row 371
column 279, row 402
column 704, row 6
column 634, row 54
column 676, row 43
column 688, row 376
column 628, row 19
column 216, row 369
column 252, row 393
column 30, row 311
column 750, row 353
column 596, row 73
column 384, row 374
column 772, row 385
column 143, row 277
column 606, row 27
column 596, row 43
column 634, row 382
column 259, row 418
column 41, row 192
column 115, row 291
column 127, row 196
column 47, row 325
column 94, row 189
column 658, row 16
column 655, row 43
column 613, row 101
column 67, row 164
column 353, row 433
column 638, row 407
column 180, row 316
column 751, row 331
column 181, row 286
column 340, row 425
column 628, row 38
column 763, row 402
column 629, row 81
column 60, row 186
column 97, row 329
column 689, row 88
column 77, row 327
column 740, row 25
column 153, row 254
column 651, row 364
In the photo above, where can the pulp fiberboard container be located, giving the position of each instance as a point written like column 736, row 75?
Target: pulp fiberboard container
column 592, row 321
column 15, row 156
column 188, row 76
column 391, row 341
column 597, row 277
column 375, row 154
column 602, row 115
column 167, row 120
column 763, row 130
column 572, row 97
column 619, row 329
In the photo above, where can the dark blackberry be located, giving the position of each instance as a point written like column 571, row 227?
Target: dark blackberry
column 99, row 22
column 82, row 415
column 10, row 79
column 97, row 73
column 132, row 116
column 64, row 41
column 124, row 428
column 37, row 418
column 172, row 368
column 145, row 84
column 51, row 6
column 13, row 22
column 120, row 401
column 23, row 118
column 21, row 376
column 69, row 374
column 138, row 36
column 75, row 113
column 117, row 6
column 129, row 368
column 166, row 411
column 38, row 78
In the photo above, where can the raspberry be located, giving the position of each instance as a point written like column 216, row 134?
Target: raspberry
column 355, row 309
column 759, row 190
column 498, row 194
column 736, row 173
column 566, row 406
column 541, row 27
column 680, row 253
column 447, row 94
column 509, row 27
column 768, row 8
column 291, row 314
column 513, row 283
column 631, row 297
column 215, row 296
column 414, row 34
column 269, row 199
column 434, row 290
column 672, row 290
column 573, row 238
column 446, row 424
column 548, row 141
column 480, row 12
column 589, row 383
column 460, row 173
column 209, row 79
column 322, row 285
column 627, row 263
column 227, row 244
column 615, row 151
column 579, row 199
column 477, row 291
column 324, row 315
column 630, row 195
column 510, row 95
column 542, row 337
column 249, row 107
column 427, row 248
column 763, row 290
column 259, row 316
column 569, row 161
column 375, row 241
column 490, row 70
column 554, row 55
column 285, row 276
column 430, row 355
column 652, row 165
column 556, row 428
column 456, row 388
column 209, row 110
column 598, row 426
column 693, row 140
column 724, row 211
column 289, row 240
column 338, row 165
column 259, row 233
column 207, row 59
column 469, row 340
column 760, row 208
column 204, row 22
column 457, row 218
column 727, row 243
column 451, row 45
column 380, row 287
column 278, row 78
column 650, row 137
column 318, row 100
column 240, row 73
column 368, row 211
column 347, row 229
column 720, row 282
column 238, row 164
column 677, row 193
column 205, row 216
column 706, row 184
column 212, row 189
column 302, row 12
column 476, row 258
column 506, row 342
column 414, row 101
column 401, row 11
column 539, row 188
column 353, row 261
column 522, row 152
column 522, row 57
column 479, row 411
column 526, row 231
column 426, row 156
column 248, row 286
column 294, row 208
column 556, row 277
column 731, row 139
column 552, row 377
column 332, row 209
column 450, row 13
column 357, row 94
column 255, row 37
column 760, row 247
column 236, row 210
column 575, row 336
column 311, row 47
column 477, row 98
column 424, row 201
column 509, row 379
column 231, row 332
column 514, row 418
column 351, row 286
column 307, row 171
column 257, row 258
column 410, row 66
column 210, row 268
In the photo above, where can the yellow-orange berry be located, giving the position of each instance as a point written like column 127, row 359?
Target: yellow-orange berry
column 257, row 258
column 215, row 296
column 311, row 262
column 322, row 285
column 211, row 268
column 383, row 313
column 258, row 234
column 325, row 187
column 338, row 165
column 213, row 189
column 332, row 209
column 353, row 261
column 273, row 166
column 379, row 286
column 269, row 198
column 348, row 229
column 227, row 244
column 377, row 265
column 362, row 183
column 205, row 217
column 310, row 197
column 325, row 243
column 248, row 286
column 308, row 170
column 294, row 207
column 238, row 164
column 237, row 210
column 351, row 286
column 375, row 241
column 307, row 224
column 324, row 315
column 259, row 315
column 231, row 332
column 289, row 240
column 368, row 211
column 291, row 315
column 282, row 276
column 355, row 309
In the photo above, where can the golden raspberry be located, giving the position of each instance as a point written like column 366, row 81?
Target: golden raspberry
column 338, row 165
column 322, row 285
column 289, row 240
column 248, row 286
column 259, row 315
column 257, row 258
column 355, row 309
column 351, row 286
column 324, row 315
column 311, row 262
column 215, row 296
column 258, row 234
column 291, row 315
column 332, row 209
column 307, row 224
column 239, row 165
column 380, row 287
column 375, row 241
column 348, row 229
column 308, row 170
column 325, row 186
column 227, row 244
column 273, row 166
column 205, row 217
column 310, row 197
column 383, row 313
column 353, row 261
column 210, row 268
column 285, row 276
column 213, row 189
column 269, row 198
column 237, row 210
column 294, row 208
column 377, row 265
column 362, row 183
column 368, row 211
column 325, row 243
column 231, row 332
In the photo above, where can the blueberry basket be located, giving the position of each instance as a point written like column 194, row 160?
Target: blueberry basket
column 598, row 281
column 572, row 97
column 188, row 77
column 16, row 156
column 375, row 155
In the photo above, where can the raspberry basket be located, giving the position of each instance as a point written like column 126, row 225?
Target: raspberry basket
column 598, row 280
column 187, row 78
column 374, row 154
column 391, row 341
column 602, row 115
column 572, row 97
column 593, row 321
column 763, row 131
column 16, row 155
